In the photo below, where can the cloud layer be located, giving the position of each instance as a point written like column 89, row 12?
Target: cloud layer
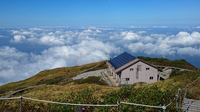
column 69, row 47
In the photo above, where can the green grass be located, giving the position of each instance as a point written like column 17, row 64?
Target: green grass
column 181, row 63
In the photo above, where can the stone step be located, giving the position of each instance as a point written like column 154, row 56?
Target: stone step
column 191, row 105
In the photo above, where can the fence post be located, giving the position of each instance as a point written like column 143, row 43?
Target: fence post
column 118, row 103
column 177, row 95
column 20, row 103
column 164, row 108
column 176, row 102
column 186, row 91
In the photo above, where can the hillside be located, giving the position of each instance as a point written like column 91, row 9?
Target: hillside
column 51, row 77
column 158, row 93
column 57, row 86
column 166, row 62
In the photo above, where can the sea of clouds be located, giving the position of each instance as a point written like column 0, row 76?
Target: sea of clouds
column 61, row 46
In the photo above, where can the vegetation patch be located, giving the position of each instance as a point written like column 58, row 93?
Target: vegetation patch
column 91, row 80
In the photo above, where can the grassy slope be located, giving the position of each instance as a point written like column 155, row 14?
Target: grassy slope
column 53, row 76
column 55, row 92
column 181, row 80
column 174, row 82
column 60, row 92
column 165, row 62
column 81, row 93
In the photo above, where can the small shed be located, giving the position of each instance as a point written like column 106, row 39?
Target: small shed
column 127, row 69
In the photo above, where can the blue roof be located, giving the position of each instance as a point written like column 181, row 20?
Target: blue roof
column 121, row 60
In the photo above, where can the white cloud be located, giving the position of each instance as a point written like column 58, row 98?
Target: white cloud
column 189, row 51
column 35, row 29
column 196, row 27
column 151, row 49
column 159, row 42
column 161, row 27
column 11, row 62
column 51, row 40
column 183, row 38
column 138, row 27
column 142, row 32
column 22, row 32
column 130, row 35
column 18, row 38
column 16, row 65
column 52, row 37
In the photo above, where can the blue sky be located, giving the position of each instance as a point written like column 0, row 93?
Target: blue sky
column 98, row 12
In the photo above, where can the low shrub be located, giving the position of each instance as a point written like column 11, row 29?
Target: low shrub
column 91, row 80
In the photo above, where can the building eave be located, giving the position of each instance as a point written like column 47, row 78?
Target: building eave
column 132, row 63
